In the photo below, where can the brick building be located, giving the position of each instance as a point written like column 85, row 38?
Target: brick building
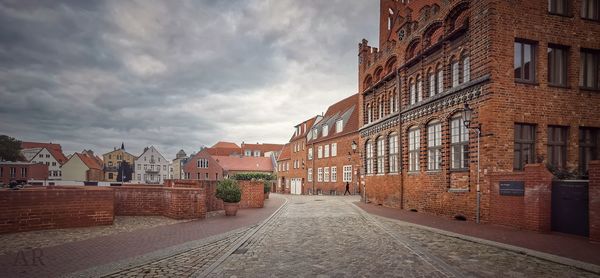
column 297, row 172
column 330, row 159
column 202, row 166
column 533, row 83
column 283, row 168
column 21, row 172
column 260, row 149
column 46, row 153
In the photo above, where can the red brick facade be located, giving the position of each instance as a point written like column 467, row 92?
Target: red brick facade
column 211, row 170
column 21, row 171
column 425, row 38
column 55, row 208
column 177, row 203
column 594, row 199
column 253, row 194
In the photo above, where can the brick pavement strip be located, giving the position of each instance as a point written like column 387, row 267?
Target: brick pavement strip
column 321, row 236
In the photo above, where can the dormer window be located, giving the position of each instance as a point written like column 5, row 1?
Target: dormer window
column 339, row 126
column 325, row 131
column 315, row 133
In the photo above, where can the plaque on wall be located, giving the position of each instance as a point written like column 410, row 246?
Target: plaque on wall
column 512, row 188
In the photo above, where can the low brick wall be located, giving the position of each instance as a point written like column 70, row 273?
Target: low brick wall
column 177, row 203
column 253, row 194
column 531, row 211
column 594, row 200
column 55, row 208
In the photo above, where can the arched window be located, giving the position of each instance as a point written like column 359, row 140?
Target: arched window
column 369, row 113
column 455, row 73
column 414, row 144
column 368, row 82
column 419, row 88
column 431, row 77
column 440, row 79
column 434, row 145
column 380, row 154
column 381, row 109
column 393, row 152
column 412, row 91
column 393, row 101
column 466, row 65
column 369, row 156
column 459, row 143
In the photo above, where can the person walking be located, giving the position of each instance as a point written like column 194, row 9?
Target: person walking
column 347, row 189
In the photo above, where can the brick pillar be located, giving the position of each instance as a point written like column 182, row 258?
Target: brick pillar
column 538, row 198
column 594, row 200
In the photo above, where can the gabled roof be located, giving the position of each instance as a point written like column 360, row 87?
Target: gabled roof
column 117, row 151
column 345, row 110
column 285, row 153
column 263, row 148
column 89, row 161
column 54, row 149
column 245, row 163
column 226, row 145
column 303, row 131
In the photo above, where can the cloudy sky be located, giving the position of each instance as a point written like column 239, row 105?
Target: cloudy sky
column 174, row 74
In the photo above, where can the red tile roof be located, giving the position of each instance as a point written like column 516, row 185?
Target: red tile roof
column 54, row 149
column 285, row 153
column 245, row 163
column 90, row 162
column 225, row 145
column 346, row 109
column 309, row 123
column 263, row 148
column 224, row 149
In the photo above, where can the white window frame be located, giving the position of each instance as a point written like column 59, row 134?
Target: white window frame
column 320, row 174
column 333, row 149
column 326, row 151
column 466, row 69
column 325, row 130
column 326, row 174
column 414, row 145
column 434, row 146
column 333, row 174
column 393, row 153
column 320, row 152
column 339, row 125
column 310, row 174
column 455, row 73
column 347, row 176
column 310, row 153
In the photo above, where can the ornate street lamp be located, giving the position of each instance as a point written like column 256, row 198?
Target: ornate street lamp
column 354, row 146
column 467, row 118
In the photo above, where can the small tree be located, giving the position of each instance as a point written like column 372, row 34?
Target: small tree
column 229, row 191
column 10, row 149
column 267, row 186
column 125, row 170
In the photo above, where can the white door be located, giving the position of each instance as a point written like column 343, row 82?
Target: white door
column 296, row 188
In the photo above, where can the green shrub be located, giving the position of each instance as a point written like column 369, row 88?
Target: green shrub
column 267, row 186
column 252, row 176
column 229, row 191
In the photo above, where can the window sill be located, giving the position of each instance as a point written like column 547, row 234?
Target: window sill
column 525, row 82
column 561, row 15
column 589, row 89
column 433, row 171
column 558, row 86
column 592, row 20
column 458, row 190
column 414, row 173
column 459, row 170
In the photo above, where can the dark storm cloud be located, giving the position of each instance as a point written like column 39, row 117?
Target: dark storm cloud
column 174, row 74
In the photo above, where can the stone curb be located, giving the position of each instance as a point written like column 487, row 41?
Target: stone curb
column 530, row 252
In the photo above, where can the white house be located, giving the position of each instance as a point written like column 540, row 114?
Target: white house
column 151, row 167
column 51, row 157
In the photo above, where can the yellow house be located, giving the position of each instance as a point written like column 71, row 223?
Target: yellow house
column 112, row 161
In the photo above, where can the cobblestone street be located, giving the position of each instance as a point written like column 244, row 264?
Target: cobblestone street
column 318, row 236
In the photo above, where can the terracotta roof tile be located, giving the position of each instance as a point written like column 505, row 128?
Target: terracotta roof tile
column 309, row 123
column 225, row 145
column 263, row 148
column 90, row 162
column 285, row 153
column 346, row 109
column 54, row 149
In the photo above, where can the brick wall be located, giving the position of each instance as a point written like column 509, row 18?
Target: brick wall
column 177, row 203
column 212, row 202
column 253, row 194
column 531, row 211
column 55, row 208
column 344, row 147
column 594, row 200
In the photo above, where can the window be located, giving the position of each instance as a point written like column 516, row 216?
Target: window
column 320, row 174
column 110, row 176
column 256, row 153
column 459, row 143
column 524, row 62
column 326, row 174
column 139, row 177
column 440, row 79
column 1, row 172
column 315, row 133
column 369, row 157
column 320, row 152
column 380, row 154
column 310, row 174
column 369, row 113
column 393, row 103
column 287, row 166
column 13, row 172
column 54, row 163
column 334, row 149
column 589, row 140
column 590, row 69
column 557, row 65
column 139, row 166
column 434, row 146
column 325, row 131
column 339, row 126
column 23, row 172
column 557, row 146
column 310, row 153
column 347, row 173
column 41, row 156
column 412, row 92
column 455, row 73
column 559, row 7
column 326, row 151
column 414, row 142
column 466, row 63
column 524, row 145
column 206, row 176
column 333, row 174
column 164, row 167
column 590, row 9
column 201, row 163
column 47, row 156
column 145, row 166
column 431, row 77
column 393, row 152
column 419, row 89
